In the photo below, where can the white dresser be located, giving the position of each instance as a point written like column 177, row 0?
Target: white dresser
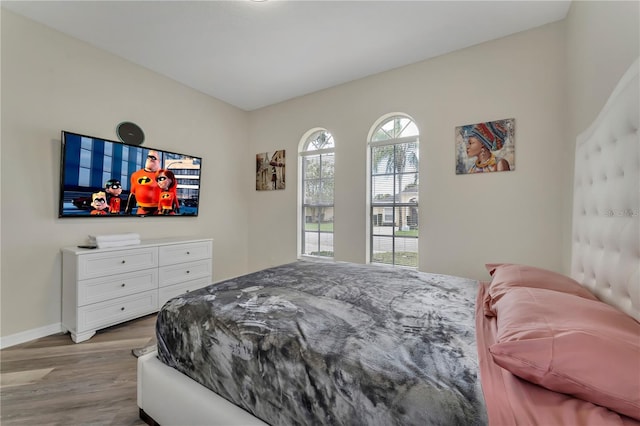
column 103, row 287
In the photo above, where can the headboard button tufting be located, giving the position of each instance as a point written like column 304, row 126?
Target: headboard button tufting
column 606, row 205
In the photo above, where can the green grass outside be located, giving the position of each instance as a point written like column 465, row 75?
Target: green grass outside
column 322, row 253
column 324, row 227
column 409, row 233
column 403, row 258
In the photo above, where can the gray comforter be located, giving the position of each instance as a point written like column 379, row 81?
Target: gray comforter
column 332, row 343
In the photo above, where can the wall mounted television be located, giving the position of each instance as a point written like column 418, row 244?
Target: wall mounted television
column 104, row 178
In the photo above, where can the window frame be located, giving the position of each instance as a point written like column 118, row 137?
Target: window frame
column 412, row 205
column 303, row 153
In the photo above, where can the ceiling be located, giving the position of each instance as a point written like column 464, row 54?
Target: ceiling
column 253, row 54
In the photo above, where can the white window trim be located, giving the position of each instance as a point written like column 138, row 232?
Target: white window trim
column 303, row 152
column 370, row 143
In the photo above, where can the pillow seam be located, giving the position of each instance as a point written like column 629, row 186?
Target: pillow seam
column 553, row 372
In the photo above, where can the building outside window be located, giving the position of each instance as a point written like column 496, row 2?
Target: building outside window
column 317, row 159
column 393, row 198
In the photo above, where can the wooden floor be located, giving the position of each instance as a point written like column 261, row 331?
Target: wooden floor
column 53, row 381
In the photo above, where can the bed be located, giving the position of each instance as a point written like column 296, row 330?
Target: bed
column 336, row 343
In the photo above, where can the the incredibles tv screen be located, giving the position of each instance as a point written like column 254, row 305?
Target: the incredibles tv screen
column 103, row 178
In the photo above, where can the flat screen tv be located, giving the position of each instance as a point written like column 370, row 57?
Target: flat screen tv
column 103, row 178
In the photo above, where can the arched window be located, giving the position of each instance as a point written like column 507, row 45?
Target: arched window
column 317, row 159
column 393, row 198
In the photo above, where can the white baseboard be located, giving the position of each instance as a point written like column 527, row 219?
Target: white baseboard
column 26, row 336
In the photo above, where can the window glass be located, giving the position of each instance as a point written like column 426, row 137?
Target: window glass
column 317, row 161
column 394, row 178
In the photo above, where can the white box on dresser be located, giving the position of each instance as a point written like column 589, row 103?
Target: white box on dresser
column 104, row 287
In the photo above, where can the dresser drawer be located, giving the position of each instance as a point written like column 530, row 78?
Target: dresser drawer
column 187, row 252
column 114, row 311
column 107, row 286
column 182, row 272
column 172, row 291
column 114, row 286
column 116, row 262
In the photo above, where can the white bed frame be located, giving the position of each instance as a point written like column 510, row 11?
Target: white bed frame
column 168, row 397
column 605, row 255
column 606, row 204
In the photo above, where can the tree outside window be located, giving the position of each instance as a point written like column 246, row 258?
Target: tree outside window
column 394, row 192
column 318, row 161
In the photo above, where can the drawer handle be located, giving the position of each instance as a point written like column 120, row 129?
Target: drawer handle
column 122, row 285
column 122, row 309
column 124, row 261
column 188, row 252
column 188, row 272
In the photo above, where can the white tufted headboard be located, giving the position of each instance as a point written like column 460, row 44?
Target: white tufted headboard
column 606, row 203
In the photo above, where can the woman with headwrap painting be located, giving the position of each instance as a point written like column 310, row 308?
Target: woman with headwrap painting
column 482, row 140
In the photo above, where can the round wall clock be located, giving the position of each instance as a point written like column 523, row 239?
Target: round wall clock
column 130, row 133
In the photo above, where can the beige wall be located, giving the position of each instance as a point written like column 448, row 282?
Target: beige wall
column 553, row 80
column 603, row 40
column 465, row 220
column 51, row 82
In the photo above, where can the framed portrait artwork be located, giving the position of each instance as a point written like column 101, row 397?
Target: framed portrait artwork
column 486, row 147
column 270, row 170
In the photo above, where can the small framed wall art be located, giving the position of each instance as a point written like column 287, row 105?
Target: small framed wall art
column 270, row 170
column 486, row 147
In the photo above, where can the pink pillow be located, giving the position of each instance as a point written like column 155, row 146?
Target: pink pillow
column 509, row 275
column 572, row 345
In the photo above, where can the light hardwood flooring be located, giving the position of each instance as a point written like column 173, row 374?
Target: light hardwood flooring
column 53, row 381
